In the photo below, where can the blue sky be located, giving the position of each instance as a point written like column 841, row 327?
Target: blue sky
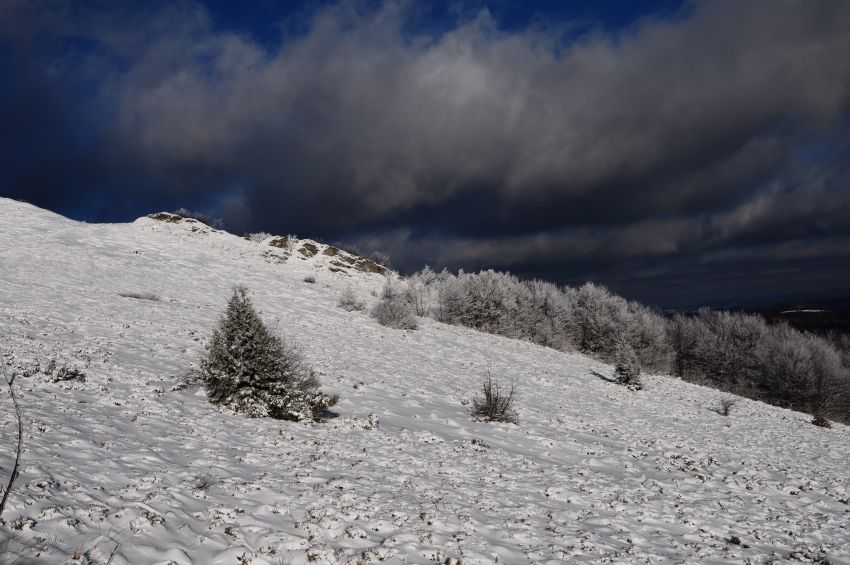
column 263, row 20
column 681, row 153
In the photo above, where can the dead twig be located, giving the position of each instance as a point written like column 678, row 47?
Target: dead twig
column 10, row 381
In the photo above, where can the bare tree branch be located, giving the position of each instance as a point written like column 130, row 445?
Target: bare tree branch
column 10, row 381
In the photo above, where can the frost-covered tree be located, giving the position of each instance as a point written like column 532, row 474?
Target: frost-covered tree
column 394, row 311
column 450, row 299
column 776, row 364
column 487, row 302
column 830, row 385
column 420, row 289
column 600, row 320
column 646, row 331
column 252, row 370
column 805, row 371
column 682, row 338
column 731, row 347
column 543, row 314
column 730, row 351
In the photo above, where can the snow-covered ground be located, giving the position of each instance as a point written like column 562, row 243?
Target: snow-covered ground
column 128, row 466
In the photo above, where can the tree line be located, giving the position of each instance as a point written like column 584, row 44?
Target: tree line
column 732, row 351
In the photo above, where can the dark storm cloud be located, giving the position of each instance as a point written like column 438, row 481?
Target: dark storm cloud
column 668, row 144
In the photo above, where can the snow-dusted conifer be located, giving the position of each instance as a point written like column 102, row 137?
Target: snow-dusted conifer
column 627, row 366
column 252, row 370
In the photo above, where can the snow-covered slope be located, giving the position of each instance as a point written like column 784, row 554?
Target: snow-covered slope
column 127, row 466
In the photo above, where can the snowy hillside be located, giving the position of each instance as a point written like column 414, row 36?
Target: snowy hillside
column 125, row 465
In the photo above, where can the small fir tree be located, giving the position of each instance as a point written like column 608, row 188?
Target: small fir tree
column 250, row 369
column 627, row 367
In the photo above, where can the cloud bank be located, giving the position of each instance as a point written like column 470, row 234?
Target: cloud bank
column 687, row 148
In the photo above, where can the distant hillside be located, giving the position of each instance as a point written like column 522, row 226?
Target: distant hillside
column 817, row 320
column 819, row 314
column 838, row 301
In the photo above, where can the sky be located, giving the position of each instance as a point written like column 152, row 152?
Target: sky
column 679, row 152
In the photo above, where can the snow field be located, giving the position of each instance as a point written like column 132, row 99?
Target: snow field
column 131, row 465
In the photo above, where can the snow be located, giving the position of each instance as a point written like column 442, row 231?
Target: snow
column 129, row 464
column 804, row 311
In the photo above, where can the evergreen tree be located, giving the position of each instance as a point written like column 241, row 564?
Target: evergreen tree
column 627, row 366
column 252, row 370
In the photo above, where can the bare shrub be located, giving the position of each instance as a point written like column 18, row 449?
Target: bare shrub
column 349, row 248
column 204, row 482
column 140, row 295
column 64, row 374
column 348, row 301
column 59, row 372
column 190, row 377
column 310, row 279
column 494, row 404
column 724, row 406
column 821, row 421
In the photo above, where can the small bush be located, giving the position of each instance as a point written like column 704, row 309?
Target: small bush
column 349, row 301
column 258, row 237
column 380, row 258
column 204, row 482
column 821, row 421
column 494, row 405
column 67, row 374
column 252, row 370
column 61, row 373
column 140, row 295
column 394, row 311
column 215, row 223
column 627, row 367
column 724, row 406
column 310, row 279
column 349, row 248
